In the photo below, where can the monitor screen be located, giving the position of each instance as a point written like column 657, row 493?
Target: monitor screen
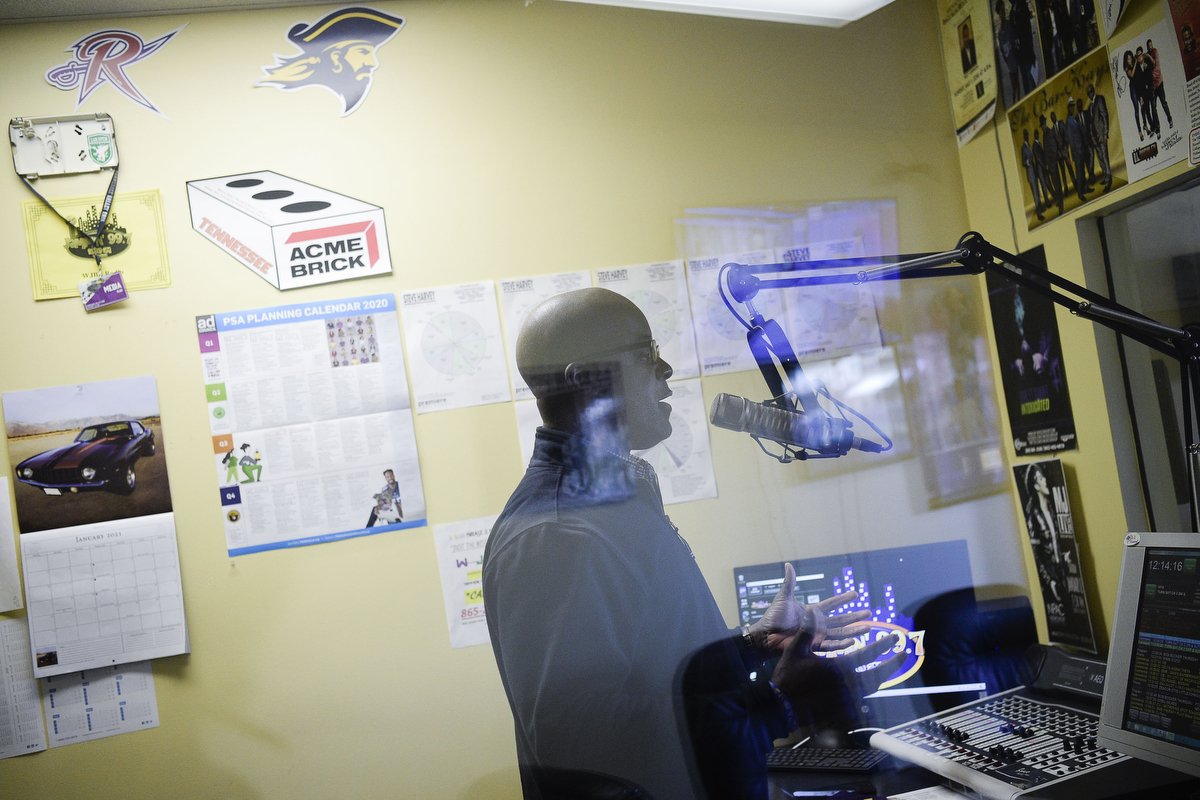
column 893, row 584
column 1151, row 705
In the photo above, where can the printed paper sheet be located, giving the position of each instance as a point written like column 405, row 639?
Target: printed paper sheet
column 135, row 243
column 10, row 580
column 970, row 63
column 832, row 320
column 100, row 562
column 460, row 562
column 455, row 346
column 21, row 728
column 720, row 338
column 98, row 703
column 519, row 296
column 1151, row 101
column 1185, row 18
column 311, row 423
column 823, row 321
column 103, row 594
column 660, row 291
column 683, row 461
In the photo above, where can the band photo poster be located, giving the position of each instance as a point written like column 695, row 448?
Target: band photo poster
column 1037, row 39
column 1042, row 490
column 1067, row 142
column 1151, row 103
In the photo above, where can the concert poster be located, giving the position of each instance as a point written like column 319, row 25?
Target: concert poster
column 1031, row 365
column 1020, row 62
column 1046, row 506
column 1152, row 98
column 1066, row 141
column 970, row 64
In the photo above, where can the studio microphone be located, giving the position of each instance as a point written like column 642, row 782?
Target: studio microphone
column 819, row 432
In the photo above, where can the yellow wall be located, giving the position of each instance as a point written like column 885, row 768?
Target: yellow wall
column 502, row 139
column 993, row 179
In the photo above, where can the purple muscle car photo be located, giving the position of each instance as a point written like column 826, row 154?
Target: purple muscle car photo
column 101, row 457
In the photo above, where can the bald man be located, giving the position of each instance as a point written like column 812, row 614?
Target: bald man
column 623, row 679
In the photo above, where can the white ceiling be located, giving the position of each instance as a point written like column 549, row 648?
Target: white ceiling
column 43, row 10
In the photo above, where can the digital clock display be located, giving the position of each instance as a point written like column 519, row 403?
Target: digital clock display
column 1163, row 564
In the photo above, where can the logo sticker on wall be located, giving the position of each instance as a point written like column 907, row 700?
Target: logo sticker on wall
column 338, row 53
column 290, row 233
column 101, row 58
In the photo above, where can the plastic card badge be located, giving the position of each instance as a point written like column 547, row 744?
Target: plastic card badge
column 102, row 291
column 43, row 146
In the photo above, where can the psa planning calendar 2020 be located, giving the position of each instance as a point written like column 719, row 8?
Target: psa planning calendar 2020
column 311, row 422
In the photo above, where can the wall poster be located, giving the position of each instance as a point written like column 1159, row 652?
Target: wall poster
column 1148, row 71
column 660, row 291
column 1067, row 142
column 518, row 297
column 1185, row 16
column 98, row 550
column 61, row 256
column 1042, row 490
column 10, row 580
column 459, row 548
column 1019, row 59
column 311, row 423
column 456, row 346
column 970, row 63
column 1031, row 365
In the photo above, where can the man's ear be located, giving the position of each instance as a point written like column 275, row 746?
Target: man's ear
column 577, row 375
column 589, row 376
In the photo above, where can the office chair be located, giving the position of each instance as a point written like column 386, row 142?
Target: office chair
column 970, row 641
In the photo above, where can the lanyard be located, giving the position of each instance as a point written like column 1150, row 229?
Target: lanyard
column 104, row 209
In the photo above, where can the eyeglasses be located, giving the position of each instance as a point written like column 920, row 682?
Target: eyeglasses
column 649, row 352
column 648, row 345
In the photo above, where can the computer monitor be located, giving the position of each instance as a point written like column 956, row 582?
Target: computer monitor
column 893, row 583
column 1151, row 704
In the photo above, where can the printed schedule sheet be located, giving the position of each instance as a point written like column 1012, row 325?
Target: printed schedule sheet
column 21, row 729
column 103, row 594
column 311, row 421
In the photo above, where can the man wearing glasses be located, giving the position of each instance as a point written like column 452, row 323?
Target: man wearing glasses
column 623, row 678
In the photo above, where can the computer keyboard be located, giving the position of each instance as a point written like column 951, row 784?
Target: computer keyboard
column 829, row 759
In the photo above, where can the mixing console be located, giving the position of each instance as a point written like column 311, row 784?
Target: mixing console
column 1002, row 745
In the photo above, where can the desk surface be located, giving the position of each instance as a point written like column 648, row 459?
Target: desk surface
column 896, row 777
column 892, row 777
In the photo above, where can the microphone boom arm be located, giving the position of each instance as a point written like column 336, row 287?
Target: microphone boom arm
column 974, row 255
